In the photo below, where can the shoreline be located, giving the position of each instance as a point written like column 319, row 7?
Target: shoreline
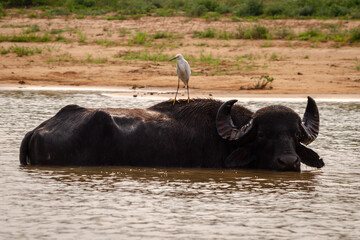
column 167, row 93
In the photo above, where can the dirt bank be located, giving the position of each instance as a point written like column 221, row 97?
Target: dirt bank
column 95, row 52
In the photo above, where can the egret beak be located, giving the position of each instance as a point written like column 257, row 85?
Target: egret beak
column 172, row 59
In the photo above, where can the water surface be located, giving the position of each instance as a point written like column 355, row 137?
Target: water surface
column 153, row 203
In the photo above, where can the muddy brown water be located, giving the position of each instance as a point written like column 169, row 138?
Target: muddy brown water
column 155, row 203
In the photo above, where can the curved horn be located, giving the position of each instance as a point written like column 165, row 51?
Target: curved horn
column 225, row 126
column 310, row 123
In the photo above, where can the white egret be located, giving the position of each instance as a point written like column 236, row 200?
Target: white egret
column 183, row 71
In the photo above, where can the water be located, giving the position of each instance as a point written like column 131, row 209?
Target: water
column 147, row 203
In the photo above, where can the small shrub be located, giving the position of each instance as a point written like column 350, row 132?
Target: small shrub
column 140, row 38
column 159, row 35
column 337, row 10
column 273, row 57
column 307, row 11
column 2, row 10
column 81, row 37
column 196, row 10
column 212, row 16
column 355, row 34
column 284, row 33
column 208, row 33
column 33, row 29
column 4, row 51
column 256, row 31
column 263, row 81
column 274, row 9
column 307, row 35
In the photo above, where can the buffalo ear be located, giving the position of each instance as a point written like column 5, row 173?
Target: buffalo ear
column 309, row 157
column 239, row 158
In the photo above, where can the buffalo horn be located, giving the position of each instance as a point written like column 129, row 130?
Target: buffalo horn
column 225, row 126
column 310, row 122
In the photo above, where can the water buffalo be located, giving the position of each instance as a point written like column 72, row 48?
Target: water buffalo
column 203, row 134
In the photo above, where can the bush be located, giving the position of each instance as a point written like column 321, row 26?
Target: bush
column 2, row 11
column 251, row 8
column 208, row 33
column 355, row 34
column 337, row 10
column 284, row 33
column 256, row 31
column 197, row 10
column 274, row 9
column 306, row 11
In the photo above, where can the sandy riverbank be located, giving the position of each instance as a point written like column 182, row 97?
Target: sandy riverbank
column 300, row 68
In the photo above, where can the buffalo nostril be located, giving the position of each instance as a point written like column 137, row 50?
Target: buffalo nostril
column 289, row 162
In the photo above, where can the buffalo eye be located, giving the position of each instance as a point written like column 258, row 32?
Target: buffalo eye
column 261, row 136
column 297, row 134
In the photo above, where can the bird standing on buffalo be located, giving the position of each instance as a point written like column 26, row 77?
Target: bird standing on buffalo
column 183, row 71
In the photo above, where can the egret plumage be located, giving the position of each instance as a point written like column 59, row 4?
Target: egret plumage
column 183, row 71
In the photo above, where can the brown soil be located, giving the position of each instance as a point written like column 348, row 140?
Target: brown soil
column 298, row 67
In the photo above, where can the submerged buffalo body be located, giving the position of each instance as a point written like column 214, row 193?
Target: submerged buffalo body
column 204, row 133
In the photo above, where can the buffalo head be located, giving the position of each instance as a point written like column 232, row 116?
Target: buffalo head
column 272, row 139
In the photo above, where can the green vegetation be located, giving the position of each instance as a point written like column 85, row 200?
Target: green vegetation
column 106, row 43
column 262, row 82
column 143, row 56
column 92, row 60
column 81, row 37
column 258, row 31
column 21, row 51
column 25, row 38
column 208, row 9
column 159, row 35
column 357, row 66
column 33, row 29
column 61, row 58
column 14, row 26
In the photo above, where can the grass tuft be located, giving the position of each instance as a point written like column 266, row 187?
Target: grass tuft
column 21, row 50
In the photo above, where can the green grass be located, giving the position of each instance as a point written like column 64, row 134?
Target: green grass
column 267, row 44
column 81, row 37
column 123, row 32
column 141, row 38
column 106, row 43
column 61, row 58
column 208, row 59
column 273, row 57
column 14, row 26
column 357, row 66
column 159, row 35
column 21, row 50
column 143, row 56
column 92, row 60
column 56, row 31
column 25, row 38
column 33, row 29
column 208, row 33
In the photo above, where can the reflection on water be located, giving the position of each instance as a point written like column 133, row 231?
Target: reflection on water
column 155, row 203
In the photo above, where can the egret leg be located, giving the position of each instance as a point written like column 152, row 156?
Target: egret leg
column 177, row 90
column 189, row 99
